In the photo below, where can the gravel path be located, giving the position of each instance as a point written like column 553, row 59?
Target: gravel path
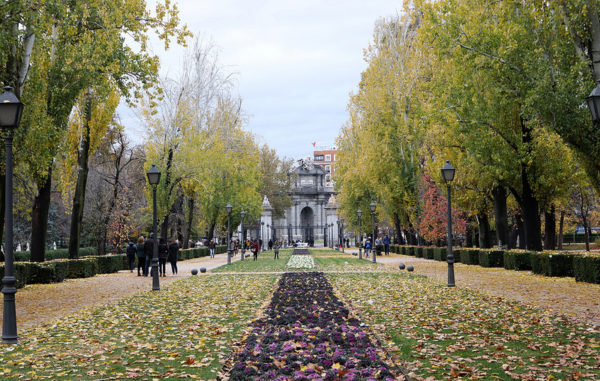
column 38, row 303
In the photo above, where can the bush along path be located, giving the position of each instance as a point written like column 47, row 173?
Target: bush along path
column 308, row 334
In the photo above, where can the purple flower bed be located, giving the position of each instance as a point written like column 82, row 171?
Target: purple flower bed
column 307, row 335
column 301, row 251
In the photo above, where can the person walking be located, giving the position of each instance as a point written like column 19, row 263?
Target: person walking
column 368, row 246
column 163, row 254
column 276, row 250
column 149, row 251
column 131, row 250
column 141, row 256
column 173, row 254
column 211, row 246
column 386, row 244
column 270, row 244
column 255, row 249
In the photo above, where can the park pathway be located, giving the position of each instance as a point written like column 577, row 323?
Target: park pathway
column 563, row 295
column 39, row 303
column 306, row 332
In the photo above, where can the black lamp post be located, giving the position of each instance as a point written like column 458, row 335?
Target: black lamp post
column 325, row 236
column 593, row 102
column 262, row 225
column 373, row 206
column 342, row 233
column 228, row 208
column 11, row 110
column 448, row 175
column 243, row 214
column 290, row 238
column 359, row 214
column 268, row 233
column 153, row 175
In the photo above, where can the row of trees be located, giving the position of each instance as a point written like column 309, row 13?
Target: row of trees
column 72, row 64
column 497, row 88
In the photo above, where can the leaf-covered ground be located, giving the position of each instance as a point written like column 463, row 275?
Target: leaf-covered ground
column 444, row 333
column 185, row 330
column 562, row 295
column 306, row 333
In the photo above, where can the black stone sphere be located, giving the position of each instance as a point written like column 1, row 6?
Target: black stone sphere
column 194, row 271
column 410, row 268
column 202, row 270
column 401, row 266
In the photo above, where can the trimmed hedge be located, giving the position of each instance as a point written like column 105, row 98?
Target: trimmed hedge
column 469, row 256
column 428, row 252
column 24, row 256
column 440, row 253
column 517, row 260
column 552, row 264
column 491, row 258
column 419, row 252
column 586, row 268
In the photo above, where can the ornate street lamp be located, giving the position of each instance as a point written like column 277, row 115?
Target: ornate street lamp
column 448, row 175
column 262, row 225
column 359, row 214
column 325, row 236
column 243, row 214
column 11, row 110
column 153, row 175
column 593, row 102
column 268, row 233
column 373, row 206
column 228, row 208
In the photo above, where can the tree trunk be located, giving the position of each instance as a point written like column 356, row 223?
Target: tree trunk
column 39, row 220
column 560, row 229
column 485, row 239
column 521, row 231
column 397, row 235
column 188, row 229
column 501, row 216
column 82, row 176
column 550, row 229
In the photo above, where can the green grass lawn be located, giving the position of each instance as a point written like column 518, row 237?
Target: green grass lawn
column 325, row 260
column 183, row 331
column 458, row 333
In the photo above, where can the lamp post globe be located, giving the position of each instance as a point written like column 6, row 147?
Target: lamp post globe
column 11, row 110
column 448, row 175
column 153, row 176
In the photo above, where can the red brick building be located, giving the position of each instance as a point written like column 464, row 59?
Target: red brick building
column 326, row 158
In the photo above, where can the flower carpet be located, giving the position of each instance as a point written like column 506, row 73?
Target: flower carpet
column 307, row 333
column 301, row 262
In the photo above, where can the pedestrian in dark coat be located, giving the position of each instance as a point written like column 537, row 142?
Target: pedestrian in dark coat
column 149, row 250
column 276, row 250
column 131, row 250
column 173, row 254
column 141, row 257
column 163, row 254
column 255, row 249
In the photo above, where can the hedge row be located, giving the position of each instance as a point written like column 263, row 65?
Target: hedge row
column 23, row 256
column 57, row 270
column 585, row 268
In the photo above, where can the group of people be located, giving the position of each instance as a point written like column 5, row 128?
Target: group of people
column 144, row 251
column 381, row 244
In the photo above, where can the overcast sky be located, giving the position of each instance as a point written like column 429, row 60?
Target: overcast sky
column 296, row 62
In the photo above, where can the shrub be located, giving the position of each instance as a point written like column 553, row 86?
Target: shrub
column 456, row 254
column 439, row 253
column 61, row 269
column 42, row 273
column 491, row 258
column 220, row 249
column 517, row 260
column 469, row 256
column 110, row 263
column 586, row 268
column 552, row 263
column 428, row 252
column 419, row 252
column 82, row 268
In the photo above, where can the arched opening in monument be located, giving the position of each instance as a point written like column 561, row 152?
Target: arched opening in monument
column 307, row 225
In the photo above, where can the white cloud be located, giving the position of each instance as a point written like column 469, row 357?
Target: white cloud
column 296, row 61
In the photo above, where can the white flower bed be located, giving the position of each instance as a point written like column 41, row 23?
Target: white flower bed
column 301, row 262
